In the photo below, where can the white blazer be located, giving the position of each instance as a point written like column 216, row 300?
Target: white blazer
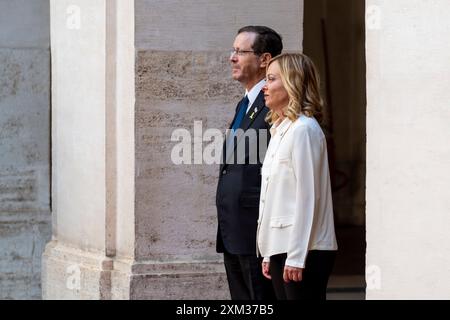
column 295, row 209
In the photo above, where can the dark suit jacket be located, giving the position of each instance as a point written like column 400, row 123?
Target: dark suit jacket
column 238, row 190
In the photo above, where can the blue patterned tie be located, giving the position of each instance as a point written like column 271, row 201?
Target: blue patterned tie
column 241, row 113
column 243, row 105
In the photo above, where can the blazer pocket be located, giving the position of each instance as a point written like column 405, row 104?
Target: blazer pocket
column 281, row 222
column 285, row 162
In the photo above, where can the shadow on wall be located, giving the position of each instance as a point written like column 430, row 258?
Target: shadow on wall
column 25, row 219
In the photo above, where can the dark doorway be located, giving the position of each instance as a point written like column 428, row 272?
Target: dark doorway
column 334, row 37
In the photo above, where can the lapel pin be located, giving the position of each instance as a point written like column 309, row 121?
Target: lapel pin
column 253, row 113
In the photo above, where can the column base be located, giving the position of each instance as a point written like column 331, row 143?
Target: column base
column 70, row 273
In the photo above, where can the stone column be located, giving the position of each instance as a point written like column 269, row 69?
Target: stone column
column 408, row 150
column 92, row 45
column 128, row 222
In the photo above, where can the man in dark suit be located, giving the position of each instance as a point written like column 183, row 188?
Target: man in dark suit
column 238, row 190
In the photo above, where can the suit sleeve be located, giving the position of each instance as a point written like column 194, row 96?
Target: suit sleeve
column 305, row 162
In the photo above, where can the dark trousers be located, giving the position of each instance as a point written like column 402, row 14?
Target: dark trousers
column 245, row 279
column 313, row 286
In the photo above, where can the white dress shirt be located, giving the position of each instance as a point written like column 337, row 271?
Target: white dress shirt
column 295, row 210
column 254, row 92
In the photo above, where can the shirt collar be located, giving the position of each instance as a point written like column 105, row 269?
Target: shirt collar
column 280, row 126
column 254, row 92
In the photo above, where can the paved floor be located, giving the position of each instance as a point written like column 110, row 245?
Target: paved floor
column 347, row 281
column 346, row 287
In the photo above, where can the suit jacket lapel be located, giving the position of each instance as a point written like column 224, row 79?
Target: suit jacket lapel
column 249, row 118
column 255, row 109
column 222, row 165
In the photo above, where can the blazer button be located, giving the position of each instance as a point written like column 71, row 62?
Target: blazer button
column 224, row 172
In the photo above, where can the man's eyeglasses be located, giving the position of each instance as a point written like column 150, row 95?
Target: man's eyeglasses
column 240, row 52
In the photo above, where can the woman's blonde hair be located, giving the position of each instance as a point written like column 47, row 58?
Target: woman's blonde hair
column 301, row 81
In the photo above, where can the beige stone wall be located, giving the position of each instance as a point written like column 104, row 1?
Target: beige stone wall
column 25, row 224
column 408, row 150
column 175, row 204
column 205, row 25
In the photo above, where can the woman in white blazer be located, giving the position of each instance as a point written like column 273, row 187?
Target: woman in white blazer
column 295, row 232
